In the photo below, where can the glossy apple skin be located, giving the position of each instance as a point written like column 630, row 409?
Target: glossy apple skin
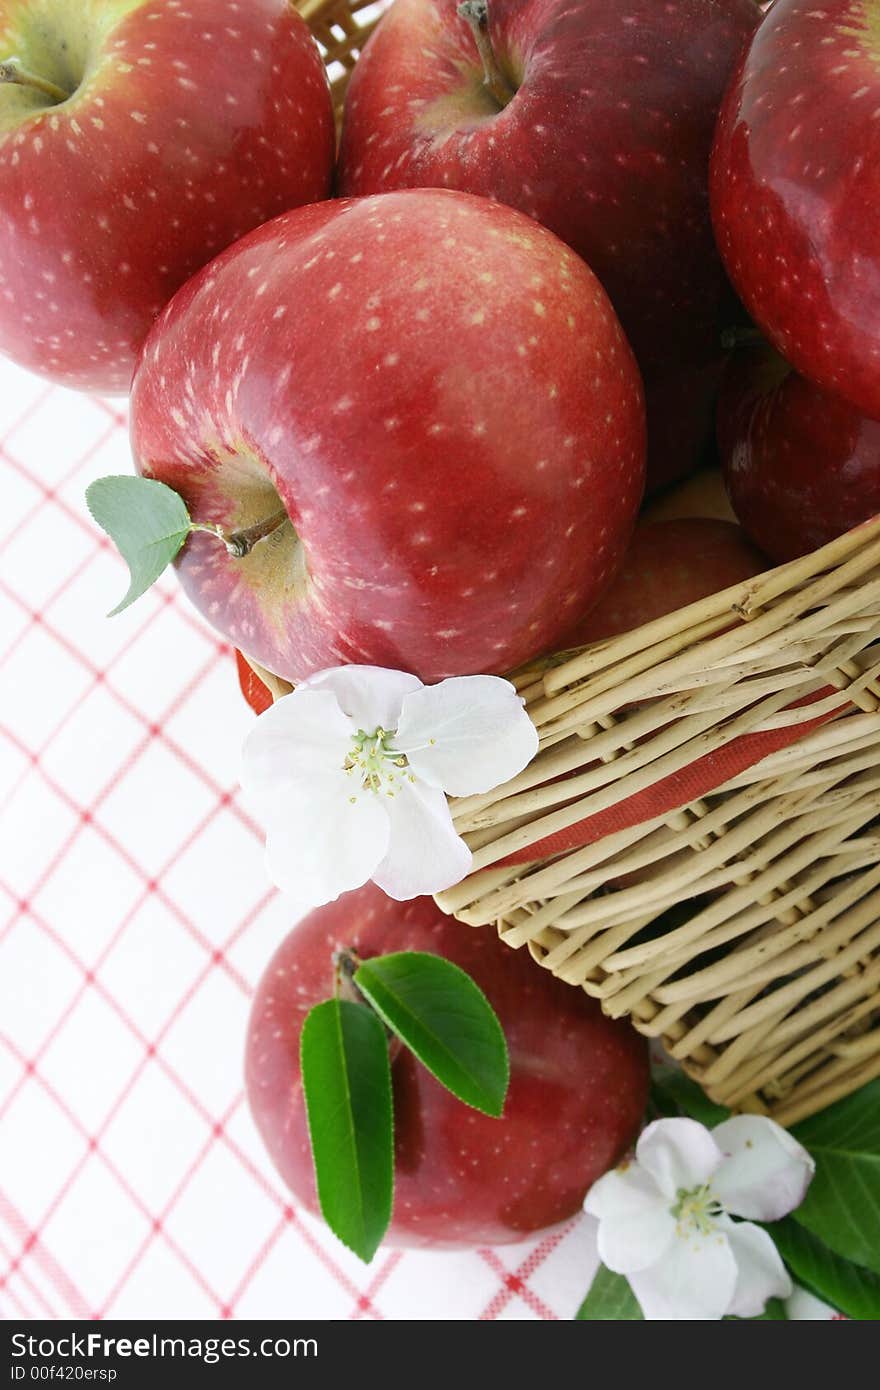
column 669, row 565
column 577, row 1094
column 199, row 121
column 606, row 142
column 442, row 397
column 800, row 465
column 796, row 186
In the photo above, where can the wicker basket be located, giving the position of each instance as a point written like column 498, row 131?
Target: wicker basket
column 341, row 27
column 697, row 842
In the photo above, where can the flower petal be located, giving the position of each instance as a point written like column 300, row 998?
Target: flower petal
column 370, row 695
column 425, row 855
column 678, row 1153
column 765, row 1173
column 694, row 1281
column 327, row 841
column 804, row 1306
column 635, row 1223
column 467, row 735
column 303, row 735
column 760, row 1273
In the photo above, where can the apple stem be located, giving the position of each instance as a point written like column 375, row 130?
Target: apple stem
column 476, row 13
column 346, row 962
column 241, row 543
column 12, row 71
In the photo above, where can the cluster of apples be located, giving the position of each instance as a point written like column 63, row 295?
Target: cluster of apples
column 794, row 185
column 420, row 414
column 422, row 405
column 413, row 423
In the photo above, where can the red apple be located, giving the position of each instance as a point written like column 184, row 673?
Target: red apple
column 601, row 129
column 796, row 187
column 578, row 1082
column 801, row 466
column 669, row 565
column 437, row 394
column 137, row 139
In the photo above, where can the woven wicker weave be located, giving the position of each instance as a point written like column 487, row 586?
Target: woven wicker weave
column 341, row 27
column 741, row 926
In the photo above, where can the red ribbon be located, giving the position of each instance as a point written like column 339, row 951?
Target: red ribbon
column 258, row 695
column 688, row 784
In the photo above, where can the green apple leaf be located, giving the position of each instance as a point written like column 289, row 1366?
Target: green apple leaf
column 445, row 1019
column 346, row 1074
column 148, row 523
column 675, row 1093
column 842, row 1205
column 610, row 1299
column 846, row 1286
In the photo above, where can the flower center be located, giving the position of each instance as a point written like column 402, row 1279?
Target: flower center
column 378, row 767
column 697, row 1209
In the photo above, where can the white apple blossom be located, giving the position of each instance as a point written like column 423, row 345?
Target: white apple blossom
column 665, row 1218
column 804, row 1306
column 349, row 776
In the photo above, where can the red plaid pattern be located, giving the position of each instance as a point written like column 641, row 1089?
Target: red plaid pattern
column 135, row 918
